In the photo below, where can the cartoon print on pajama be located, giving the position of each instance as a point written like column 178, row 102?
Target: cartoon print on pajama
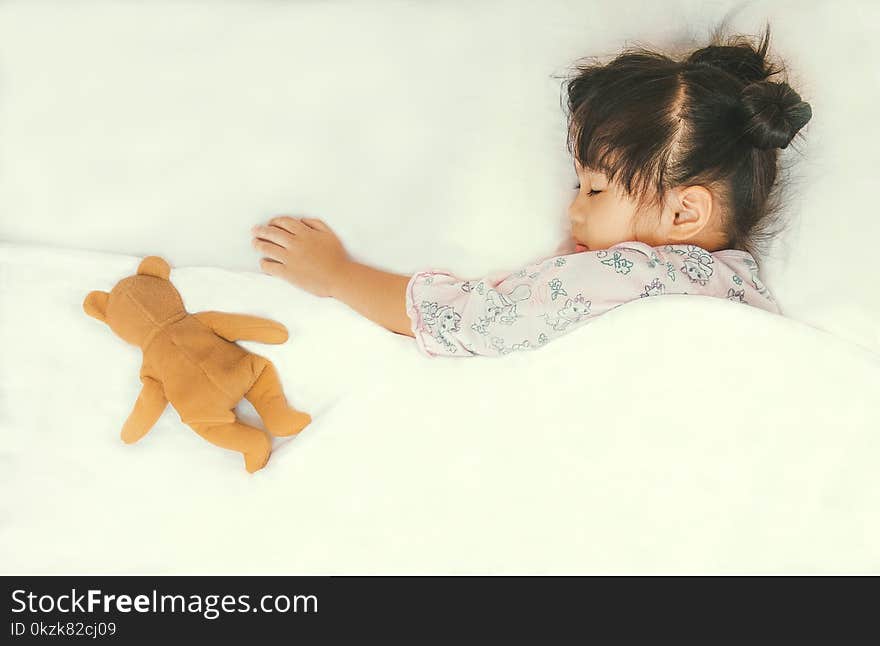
column 697, row 265
column 498, row 344
column 734, row 295
column 656, row 288
column 481, row 325
column 753, row 270
column 547, row 299
column 441, row 320
column 575, row 309
column 556, row 289
column 501, row 308
column 621, row 265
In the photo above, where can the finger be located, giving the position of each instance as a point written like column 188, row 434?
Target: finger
column 279, row 236
column 315, row 223
column 269, row 249
column 292, row 225
column 270, row 267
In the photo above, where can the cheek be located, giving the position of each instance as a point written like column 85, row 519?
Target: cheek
column 613, row 218
column 600, row 219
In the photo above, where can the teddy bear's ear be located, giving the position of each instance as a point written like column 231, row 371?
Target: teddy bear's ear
column 155, row 266
column 95, row 305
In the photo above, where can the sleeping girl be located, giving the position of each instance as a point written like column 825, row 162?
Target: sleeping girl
column 676, row 165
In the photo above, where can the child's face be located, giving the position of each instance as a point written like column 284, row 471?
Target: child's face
column 602, row 215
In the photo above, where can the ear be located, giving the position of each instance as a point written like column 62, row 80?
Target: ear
column 95, row 305
column 691, row 211
column 154, row 266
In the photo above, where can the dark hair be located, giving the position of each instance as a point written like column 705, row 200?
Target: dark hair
column 652, row 122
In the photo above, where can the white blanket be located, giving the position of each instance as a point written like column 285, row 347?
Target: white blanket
column 678, row 433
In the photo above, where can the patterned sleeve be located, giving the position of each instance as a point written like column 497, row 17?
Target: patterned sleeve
column 525, row 310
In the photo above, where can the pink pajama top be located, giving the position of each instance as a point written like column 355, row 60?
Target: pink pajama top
column 496, row 315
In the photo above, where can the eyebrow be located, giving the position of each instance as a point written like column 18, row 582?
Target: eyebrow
column 592, row 172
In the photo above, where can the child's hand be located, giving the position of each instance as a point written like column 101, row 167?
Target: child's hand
column 302, row 251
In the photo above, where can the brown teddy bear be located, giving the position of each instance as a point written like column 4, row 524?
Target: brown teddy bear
column 191, row 361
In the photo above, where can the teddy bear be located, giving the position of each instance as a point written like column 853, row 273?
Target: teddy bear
column 193, row 362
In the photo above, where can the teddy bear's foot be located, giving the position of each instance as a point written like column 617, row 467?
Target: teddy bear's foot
column 290, row 422
column 256, row 460
column 268, row 399
column 251, row 442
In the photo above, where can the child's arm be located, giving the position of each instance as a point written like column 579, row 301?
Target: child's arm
column 307, row 253
column 378, row 295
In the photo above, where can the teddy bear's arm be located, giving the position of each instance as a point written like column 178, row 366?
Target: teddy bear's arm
column 146, row 412
column 234, row 327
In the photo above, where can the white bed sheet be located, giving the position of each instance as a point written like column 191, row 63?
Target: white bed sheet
column 678, row 433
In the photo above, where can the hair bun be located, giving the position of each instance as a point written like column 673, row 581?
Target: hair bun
column 741, row 61
column 774, row 114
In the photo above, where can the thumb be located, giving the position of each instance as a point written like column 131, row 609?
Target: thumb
column 315, row 224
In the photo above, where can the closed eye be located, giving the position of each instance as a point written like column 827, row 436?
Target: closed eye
column 592, row 192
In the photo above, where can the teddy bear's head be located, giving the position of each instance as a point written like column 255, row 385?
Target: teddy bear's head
column 139, row 304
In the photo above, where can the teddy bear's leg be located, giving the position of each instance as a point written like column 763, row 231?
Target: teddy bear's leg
column 251, row 442
column 268, row 399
